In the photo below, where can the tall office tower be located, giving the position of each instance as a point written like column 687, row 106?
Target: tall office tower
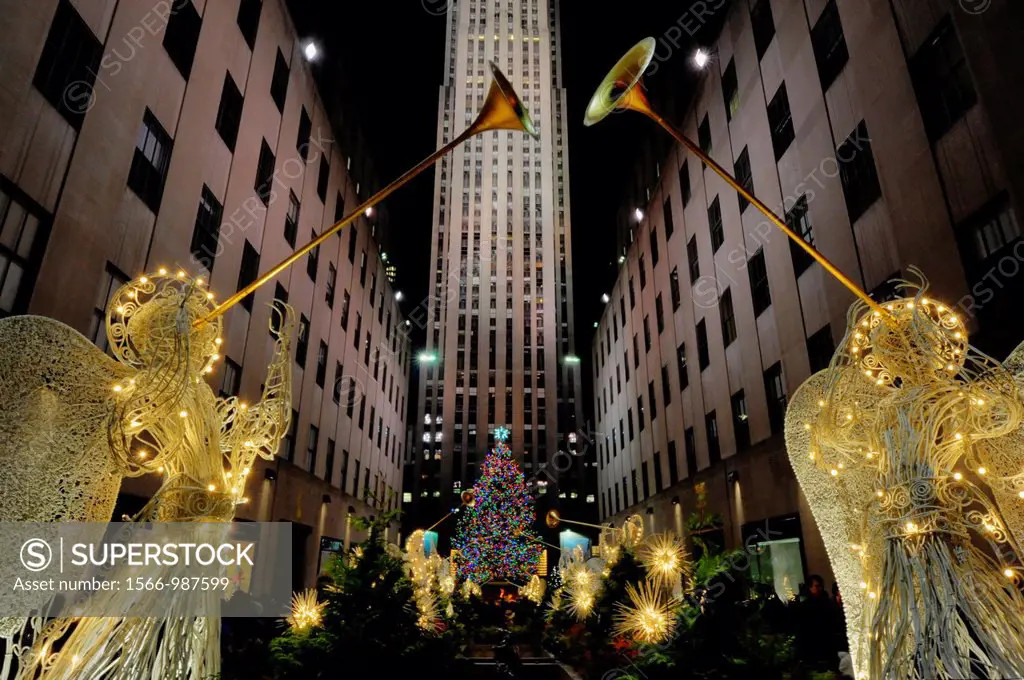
column 500, row 321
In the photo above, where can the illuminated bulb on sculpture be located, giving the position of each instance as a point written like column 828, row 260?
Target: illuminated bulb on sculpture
column 163, row 271
column 1021, row 494
column 209, row 296
column 183, row 414
column 957, row 476
column 958, row 436
column 982, row 470
column 211, row 487
column 142, row 454
column 880, row 493
column 118, row 388
column 834, row 472
column 821, row 403
column 1008, row 573
column 863, row 585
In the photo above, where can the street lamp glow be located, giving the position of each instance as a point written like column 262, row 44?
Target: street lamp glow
column 572, row 359
column 426, row 357
column 622, row 258
column 605, row 299
column 311, row 51
column 701, row 58
column 639, row 215
column 399, row 295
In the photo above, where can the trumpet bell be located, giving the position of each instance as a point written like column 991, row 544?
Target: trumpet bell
column 469, row 498
column 620, row 81
column 503, row 109
column 553, row 519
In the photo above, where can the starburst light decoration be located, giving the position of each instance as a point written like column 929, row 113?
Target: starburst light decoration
column 649, row 617
column 666, row 559
column 307, row 611
column 909, row 448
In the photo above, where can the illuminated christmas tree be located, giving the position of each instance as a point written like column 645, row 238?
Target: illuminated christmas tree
column 495, row 537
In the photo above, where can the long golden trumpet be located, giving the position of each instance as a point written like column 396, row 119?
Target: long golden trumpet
column 468, row 499
column 623, row 89
column 554, row 518
column 502, row 110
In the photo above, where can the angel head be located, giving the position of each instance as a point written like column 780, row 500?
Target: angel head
column 155, row 318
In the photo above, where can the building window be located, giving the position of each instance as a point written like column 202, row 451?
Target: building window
column 740, row 421
column 690, row 442
column 632, row 292
column 703, row 357
column 799, row 220
column 730, row 90
column 653, row 399
column 338, row 385
column 655, row 255
column 775, row 393
column 728, row 317
column 313, row 260
column 820, row 348
column 777, row 555
column 693, row 259
column 149, row 164
column 714, row 450
column 745, row 177
column 759, row 288
column 669, row 226
column 704, row 135
column 673, row 282
column 68, row 65
column 332, row 277
column 985, row 234
column 353, row 236
column 231, row 380
column 942, row 81
column 362, row 269
column 229, row 115
column 329, row 462
column 305, row 129
column 684, row 183
column 666, row 386
column 249, row 20
column 339, row 210
column 113, row 279
column 673, row 464
column 764, row 26
column 858, row 173
column 643, row 272
column 280, row 294
column 646, row 480
column 322, row 178
column 659, row 312
column 780, row 119
column 716, row 226
column 311, row 446
column 302, row 343
column 288, row 443
column 346, row 300
column 647, row 333
column 182, row 35
column 248, row 272
column 264, row 184
column 829, row 44
column 291, row 220
column 206, row 233
column 279, row 83
column 684, row 375
column 321, row 364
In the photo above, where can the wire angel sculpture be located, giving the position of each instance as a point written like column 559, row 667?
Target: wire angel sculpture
column 910, row 451
column 76, row 421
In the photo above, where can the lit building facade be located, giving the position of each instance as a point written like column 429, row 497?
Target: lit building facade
column 884, row 135
column 191, row 135
column 499, row 318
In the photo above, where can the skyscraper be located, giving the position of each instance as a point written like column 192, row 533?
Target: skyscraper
column 500, row 321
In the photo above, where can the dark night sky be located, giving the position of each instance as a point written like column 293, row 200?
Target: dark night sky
column 393, row 53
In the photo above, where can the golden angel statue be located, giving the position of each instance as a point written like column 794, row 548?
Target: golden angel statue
column 76, row 421
column 910, row 451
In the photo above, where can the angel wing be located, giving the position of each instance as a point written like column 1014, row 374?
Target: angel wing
column 836, row 501
column 55, row 404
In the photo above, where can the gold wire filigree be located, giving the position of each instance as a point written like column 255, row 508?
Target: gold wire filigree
column 76, row 422
column 909, row 451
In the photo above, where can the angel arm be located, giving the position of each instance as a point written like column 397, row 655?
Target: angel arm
column 258, row 430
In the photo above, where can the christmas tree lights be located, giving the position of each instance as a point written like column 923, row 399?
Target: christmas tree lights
column 495, row 538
